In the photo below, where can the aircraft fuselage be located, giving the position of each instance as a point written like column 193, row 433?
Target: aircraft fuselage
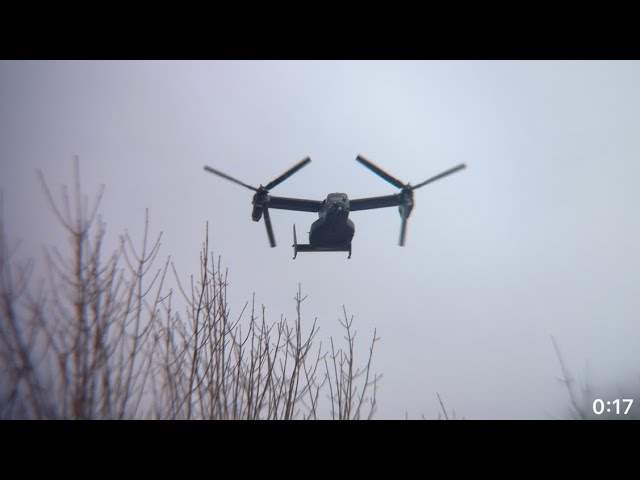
column 333, row 228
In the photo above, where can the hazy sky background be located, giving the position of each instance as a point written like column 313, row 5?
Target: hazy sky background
column 538, row 237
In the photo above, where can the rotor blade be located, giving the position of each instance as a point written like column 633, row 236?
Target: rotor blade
column 224, row 175
column 403, row 231
column 295, row 242
column 441, row 175
column 288, row 173
column 267, row 223
column 378, row 171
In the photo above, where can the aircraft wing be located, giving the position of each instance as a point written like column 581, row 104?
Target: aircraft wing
column 374, row 202
column 299, row 204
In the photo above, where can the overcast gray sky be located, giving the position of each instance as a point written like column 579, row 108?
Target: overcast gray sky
column 538, row 237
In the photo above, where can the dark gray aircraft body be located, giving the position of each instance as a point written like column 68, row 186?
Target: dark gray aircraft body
column 334, row 230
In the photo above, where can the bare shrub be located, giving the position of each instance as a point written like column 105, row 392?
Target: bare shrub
column 582, row 397
column 100, row 338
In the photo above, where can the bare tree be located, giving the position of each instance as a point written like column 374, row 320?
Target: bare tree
column 343, row 375
column 81, row 344
column 582, row 397
column 100, row 338
column 216, row 366
column 579, row 408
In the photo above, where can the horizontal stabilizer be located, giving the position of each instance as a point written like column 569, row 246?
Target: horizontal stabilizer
column 311, row 248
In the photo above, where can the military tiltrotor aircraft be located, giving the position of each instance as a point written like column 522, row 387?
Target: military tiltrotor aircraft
column 333, row 231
